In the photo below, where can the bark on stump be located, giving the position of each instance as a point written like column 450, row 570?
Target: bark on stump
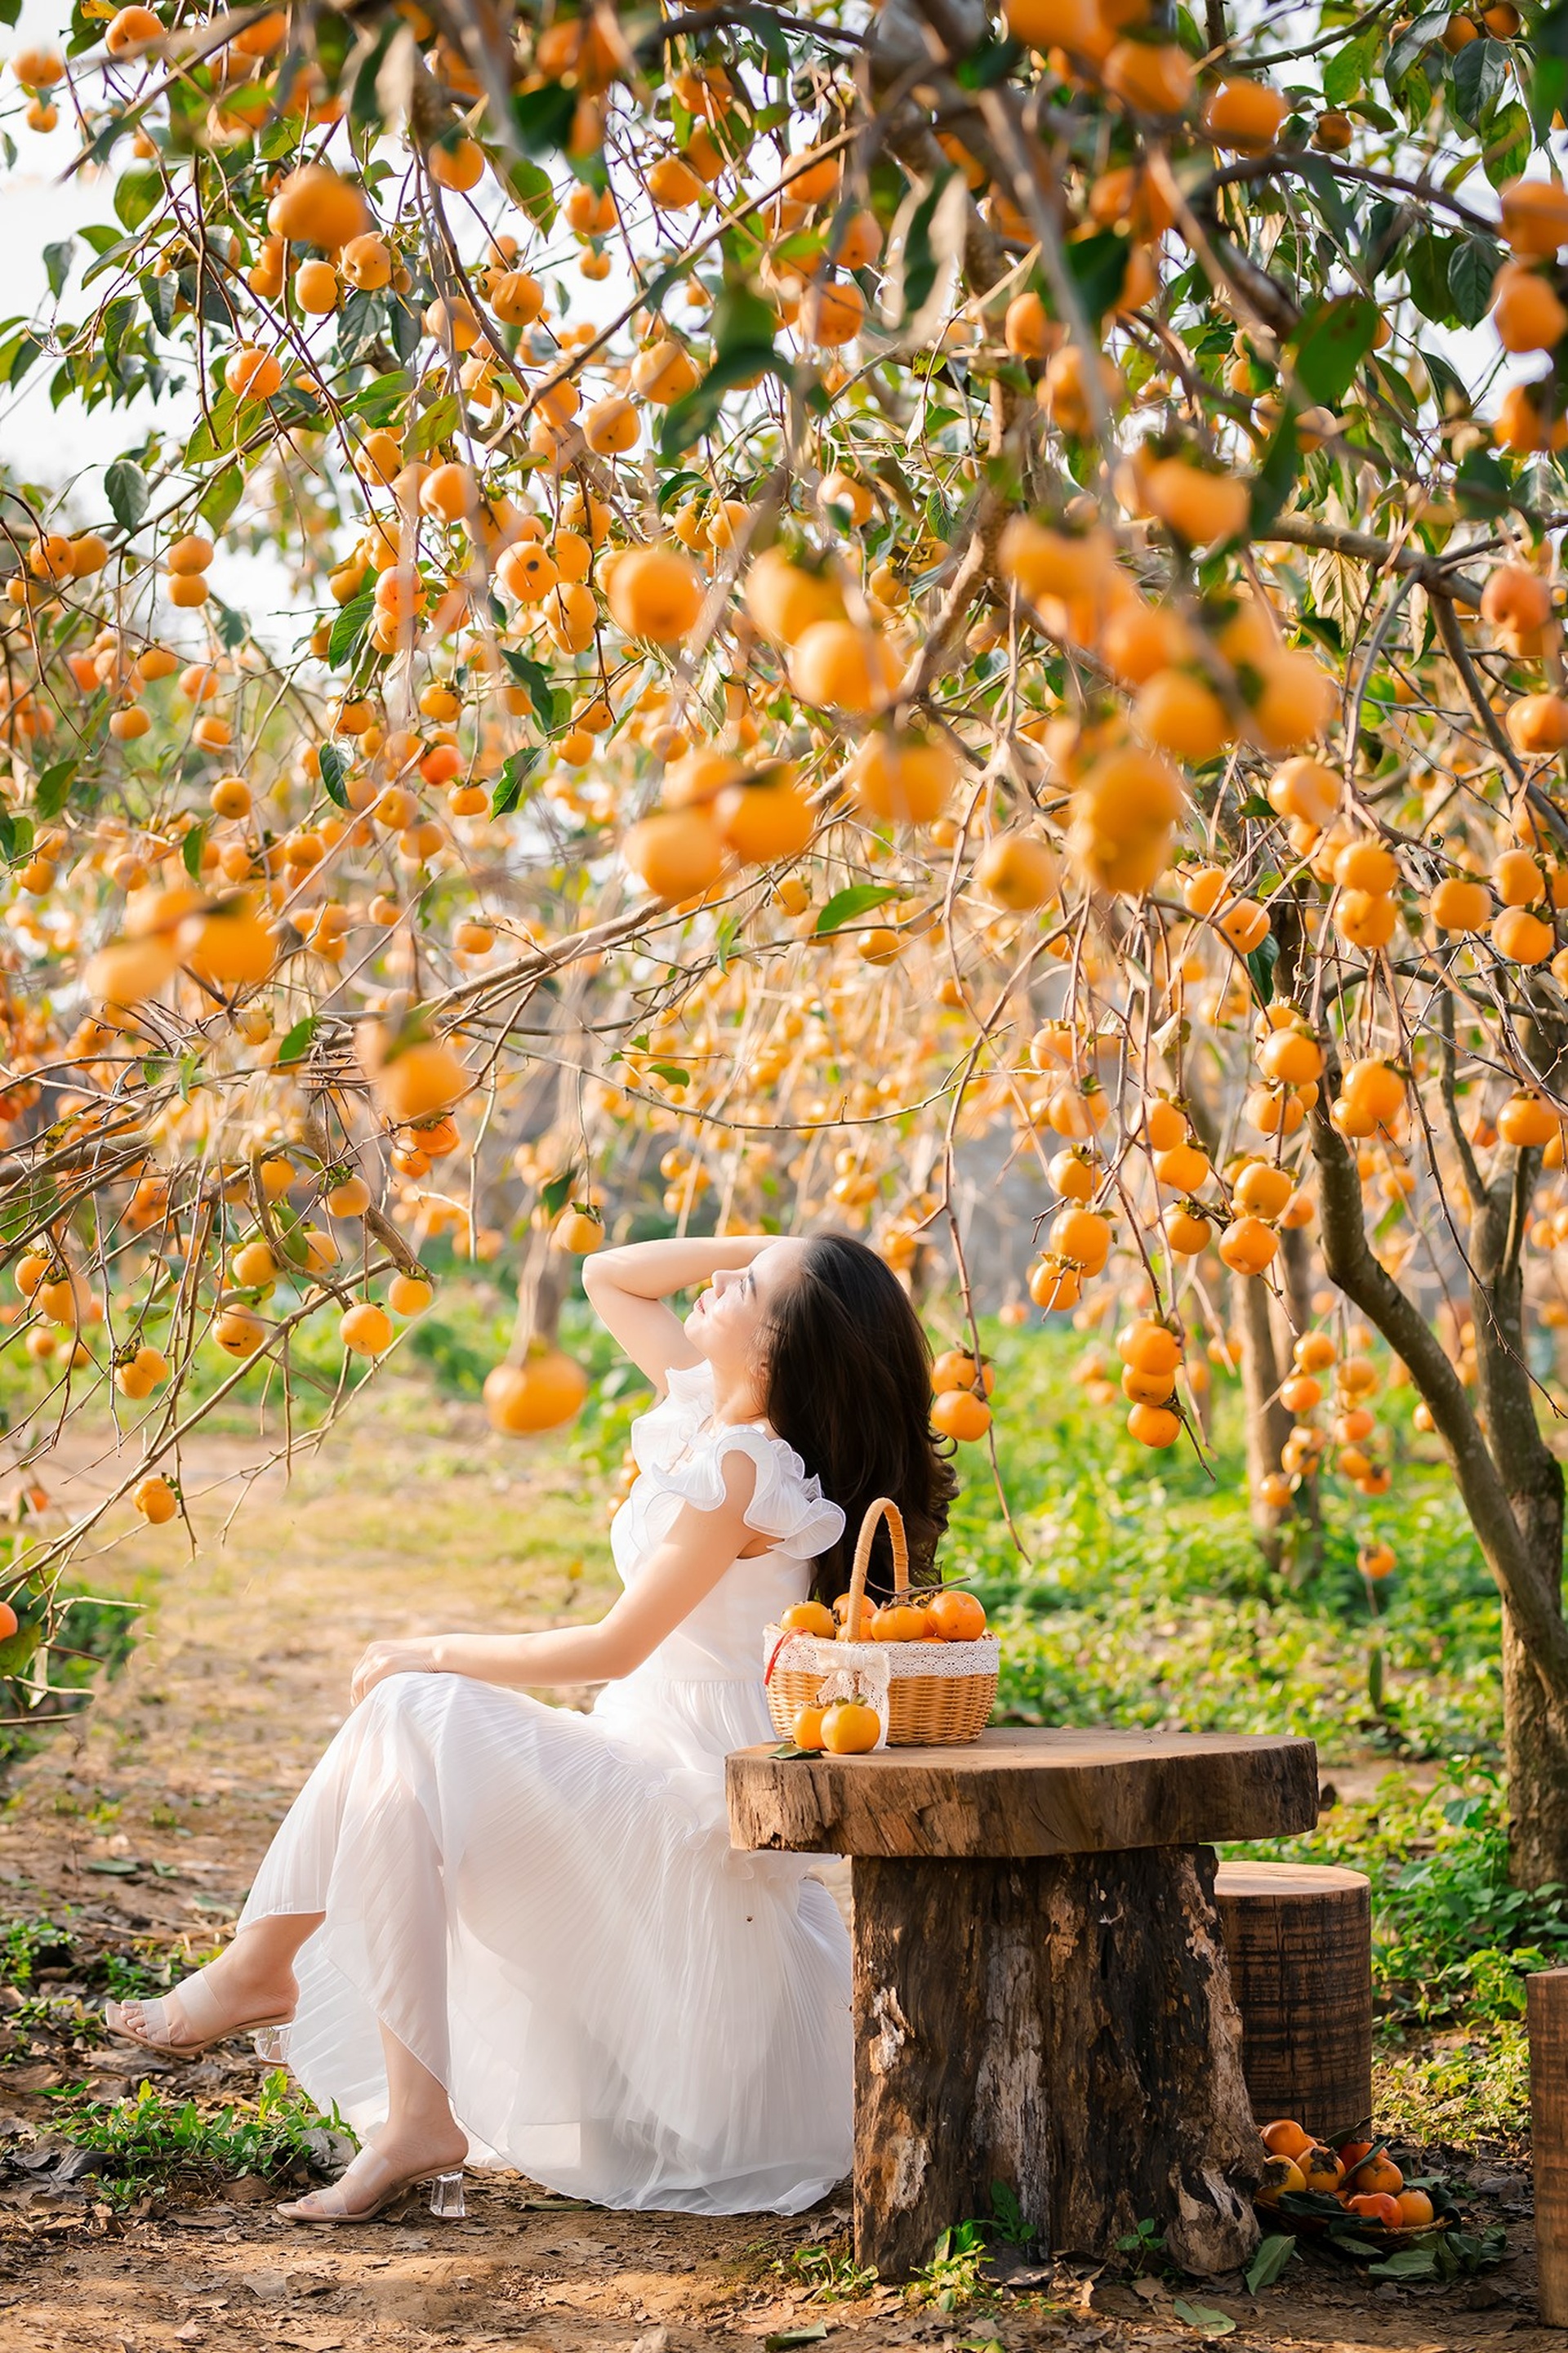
column 1041, row 1993
column 1546, row 1995
column 1288, row 1927
column 1064, row 2027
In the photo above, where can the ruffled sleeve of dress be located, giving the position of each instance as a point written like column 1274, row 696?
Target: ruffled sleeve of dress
column 682, row 1452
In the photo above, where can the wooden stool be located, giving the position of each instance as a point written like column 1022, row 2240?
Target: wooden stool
column 1298, row 1939
column 1040, row 1990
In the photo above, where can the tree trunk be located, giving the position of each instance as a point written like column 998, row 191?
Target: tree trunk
column 1535, row 1702
column 1267, row 1421
column 1510, row 1481
column 1063, row 2025
column 1535, row 1748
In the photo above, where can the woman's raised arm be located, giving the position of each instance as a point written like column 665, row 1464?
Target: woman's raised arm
column 627, row 1288
column 690, row 1562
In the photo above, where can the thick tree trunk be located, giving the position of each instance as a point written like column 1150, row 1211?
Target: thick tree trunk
column 1510, row 1481
column 1063, row 2025
column 1535, row 1747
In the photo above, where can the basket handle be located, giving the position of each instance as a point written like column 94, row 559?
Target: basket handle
column 882, row 1508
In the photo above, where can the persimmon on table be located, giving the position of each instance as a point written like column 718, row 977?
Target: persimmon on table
column 1041, row 1994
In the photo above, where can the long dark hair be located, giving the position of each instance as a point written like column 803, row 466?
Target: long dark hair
column 848, row 1386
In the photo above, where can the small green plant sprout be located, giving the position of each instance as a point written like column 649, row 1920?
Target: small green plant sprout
column 953, row 2277
column 1007, row 2221
column 29, row 1945
column 829, row 2278
column 1144, row 2249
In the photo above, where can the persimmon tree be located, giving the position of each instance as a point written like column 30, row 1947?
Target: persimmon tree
column 866, row 579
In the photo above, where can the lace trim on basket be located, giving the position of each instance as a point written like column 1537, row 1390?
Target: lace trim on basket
column 814, row 1654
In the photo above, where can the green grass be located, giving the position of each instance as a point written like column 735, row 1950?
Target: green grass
column 149, row 2142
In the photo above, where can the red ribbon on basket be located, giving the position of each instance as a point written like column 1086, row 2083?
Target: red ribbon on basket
column 786, row 1637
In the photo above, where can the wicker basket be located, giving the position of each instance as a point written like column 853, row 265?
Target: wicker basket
column 937, row 1692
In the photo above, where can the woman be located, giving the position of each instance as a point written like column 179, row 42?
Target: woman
column 513, row 1933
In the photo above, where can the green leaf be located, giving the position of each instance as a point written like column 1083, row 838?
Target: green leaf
column 1260, row 967
column 535, row 192
column 191, row 851
column 1480, row 74
column 221, row 497
column 784, row 2337
column 332, row 768
column 1453, row 392
column 379, row 401
column 295, row 1044
column 58, row 264
column 125, row 488
column 1473, row 264
column 696, row 412
column 137, row 195
column 1547, row 93
column 1412, row 45
column 359, row 322
column 1427, row 261
column 1274, row 2252
column 17, row 1648
column 1206, row 2317
column 1482, row 487
column 674, row 1075
column 1509, row 145
column 231, row 627
column 557, row 1192
column 221, row 429
column 349, row 628
column 364, row 106
column 1345, row 71
column 511, row 784
column 160, row 294
column 1330, row 344
column 923, row 260
column 16, row 357
column 1406, row 2264
column 1098, row 268
column 51, row 793
column 845, row 905
column 542, row 117
column 534, row 680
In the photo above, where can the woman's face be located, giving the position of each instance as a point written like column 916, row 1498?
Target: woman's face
column 726, row 1324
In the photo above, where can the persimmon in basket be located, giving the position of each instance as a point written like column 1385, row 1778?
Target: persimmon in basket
column 810, row 1618
column 900, row 1621
column 956, row 1617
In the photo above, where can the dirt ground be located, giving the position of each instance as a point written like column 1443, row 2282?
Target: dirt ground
column 139, row 1831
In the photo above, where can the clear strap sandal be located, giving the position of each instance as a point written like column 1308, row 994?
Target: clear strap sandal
column 193, row 2010
column 384, row 2187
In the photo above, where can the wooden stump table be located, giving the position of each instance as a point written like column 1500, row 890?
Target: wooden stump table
column 1041, row 1994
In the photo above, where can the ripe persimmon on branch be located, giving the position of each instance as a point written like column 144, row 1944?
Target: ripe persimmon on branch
column 862, row 587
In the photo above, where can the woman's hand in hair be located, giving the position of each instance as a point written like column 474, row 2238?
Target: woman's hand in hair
column 414, row 1657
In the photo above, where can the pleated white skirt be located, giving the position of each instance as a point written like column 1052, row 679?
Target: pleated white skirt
column 544, row 1907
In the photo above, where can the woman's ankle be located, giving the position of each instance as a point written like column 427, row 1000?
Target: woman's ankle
column 249, row 1974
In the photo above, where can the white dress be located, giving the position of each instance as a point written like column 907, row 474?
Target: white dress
column 544, row 1906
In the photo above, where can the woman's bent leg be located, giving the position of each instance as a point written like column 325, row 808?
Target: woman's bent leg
column 250, row 1983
